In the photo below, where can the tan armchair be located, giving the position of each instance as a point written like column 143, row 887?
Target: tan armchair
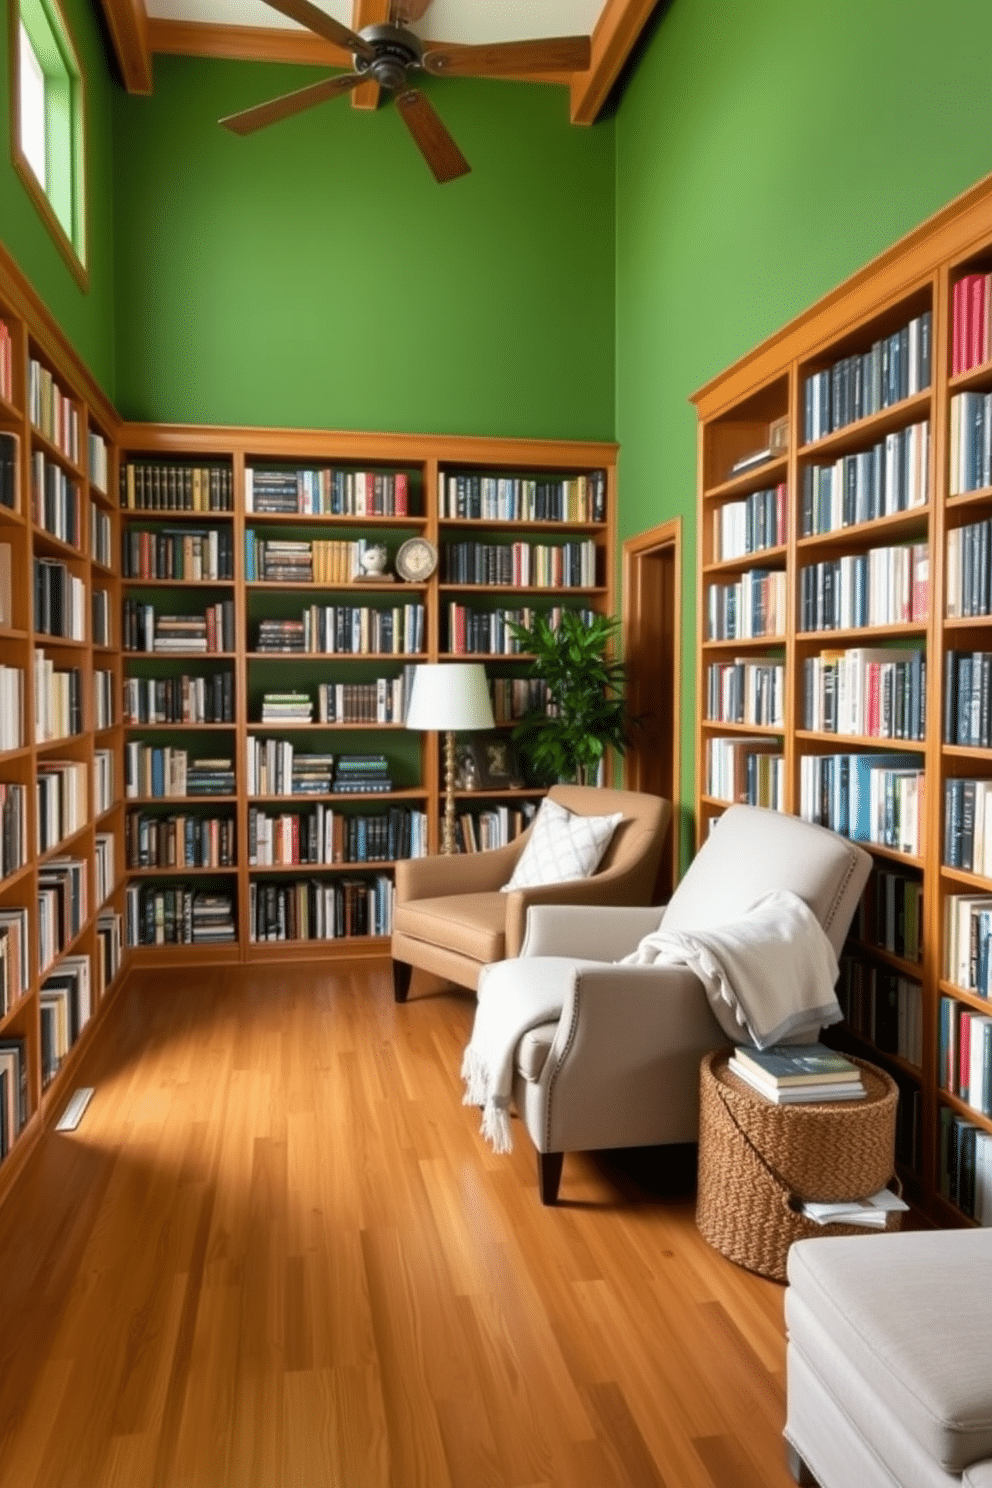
column 450, row 917
column 620, row 1066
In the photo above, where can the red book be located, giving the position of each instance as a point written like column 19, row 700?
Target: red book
column 964, row 1055
column 976, row 326
column 957, row 325
column 402, row 494
column 781, row 528
column 871, row 721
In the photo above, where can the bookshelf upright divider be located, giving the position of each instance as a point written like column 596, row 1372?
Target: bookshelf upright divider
column 885, row 727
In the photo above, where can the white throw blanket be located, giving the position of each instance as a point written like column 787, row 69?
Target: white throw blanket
column 769, row 976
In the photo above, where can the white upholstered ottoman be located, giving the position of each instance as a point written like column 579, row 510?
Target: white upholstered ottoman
column 890, row 1360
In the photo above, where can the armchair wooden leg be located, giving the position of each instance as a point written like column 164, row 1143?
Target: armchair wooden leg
column 401, row 980
column 549, row 1165
column 797, row 1467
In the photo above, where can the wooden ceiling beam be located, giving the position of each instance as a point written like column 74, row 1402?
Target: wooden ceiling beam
column 245, row 43
column 617, row 29
column 127, row 21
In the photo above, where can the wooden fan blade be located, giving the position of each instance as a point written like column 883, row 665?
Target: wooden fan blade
column 290, row 103
column 322, row 24
column 431, row 137
column 402, row 12
column 507, row 58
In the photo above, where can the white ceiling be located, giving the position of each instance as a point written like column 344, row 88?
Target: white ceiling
column 447, row 20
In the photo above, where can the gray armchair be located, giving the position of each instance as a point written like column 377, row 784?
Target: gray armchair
column 620, row 1066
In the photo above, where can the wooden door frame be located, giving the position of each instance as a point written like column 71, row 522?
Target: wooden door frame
column 666, row 538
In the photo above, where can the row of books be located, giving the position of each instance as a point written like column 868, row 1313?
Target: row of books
column 890, row 913
column 970, row 346
column 967, row 709
column 161, row 770
column 178, row 841
column 487, row 828
column 970, row 443
column 883, row 1006
column 519, row 498
column 11, row 707
column 108, row 948
column 797, row 1074
column 751, row 770
column 157, row 485
column 361, row 774
column 104, row 690
column 892, row 476
column 182, row 699
column 383, row 701
column 349, row 630
column 52, row 412
column 56, row 501
column 327, row 492
column 15, row 968
column 753, row 606
column 857, row 386
column 490, row 632
column 967, row 933
column 184, row 554
column 65, row 1007
column 58, row 700
column 745, row 691
column 516, row 697
column 757, row 521
column 316, row 910
column 103, row 781
column 104, row 864
column 62, row 906
column 146, row 630
column 964, row 1054
column 178, row 915
column 521, row 565
column 97, row 464
column 968, row 825
column 60, row 801
column 59, row 600
column 13, row 827
column 885, row 586
column 13, row 1090
column 969, row 571
column 302, row 561
column 868, row 797
column 10, row 496
column 275, row 767
column 324, row 836
column 877, row 694
column 100, row 613
column 100, row 535
column 6, row 362
column 965, row 1167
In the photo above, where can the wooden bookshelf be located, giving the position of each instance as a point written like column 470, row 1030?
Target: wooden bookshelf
column 945, row 487
column 62, row 515
column 427, row 469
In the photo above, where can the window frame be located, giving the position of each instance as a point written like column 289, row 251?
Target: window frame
column 64, row 195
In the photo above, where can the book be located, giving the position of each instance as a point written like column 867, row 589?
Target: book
column 789, row 1095
column 796, row 1064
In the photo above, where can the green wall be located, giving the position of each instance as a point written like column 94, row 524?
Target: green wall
column 315, row 274
column 765, row 150
column 86, row 318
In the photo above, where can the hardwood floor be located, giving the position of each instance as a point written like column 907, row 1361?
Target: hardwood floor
column 278, row 1254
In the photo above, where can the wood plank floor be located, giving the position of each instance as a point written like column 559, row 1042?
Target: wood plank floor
column 278, row 1254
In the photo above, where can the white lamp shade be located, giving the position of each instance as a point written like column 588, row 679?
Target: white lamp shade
column 449, row 696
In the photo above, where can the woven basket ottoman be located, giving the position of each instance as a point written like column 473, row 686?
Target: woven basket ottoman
column 758, row 1161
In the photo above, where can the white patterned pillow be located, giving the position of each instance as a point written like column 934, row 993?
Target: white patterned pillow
column 562, row 847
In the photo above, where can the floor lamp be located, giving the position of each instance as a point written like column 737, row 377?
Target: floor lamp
column 449, row 697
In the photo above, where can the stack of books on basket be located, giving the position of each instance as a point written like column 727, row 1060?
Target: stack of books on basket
column 794, row 1074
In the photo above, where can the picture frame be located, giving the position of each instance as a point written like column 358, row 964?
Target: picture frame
column 496, row 760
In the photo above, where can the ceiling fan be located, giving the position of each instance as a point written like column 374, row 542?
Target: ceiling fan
column 392, row 55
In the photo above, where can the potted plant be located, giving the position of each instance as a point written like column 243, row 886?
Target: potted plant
column 586, row 712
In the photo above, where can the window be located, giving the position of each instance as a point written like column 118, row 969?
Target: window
column 47, row 122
